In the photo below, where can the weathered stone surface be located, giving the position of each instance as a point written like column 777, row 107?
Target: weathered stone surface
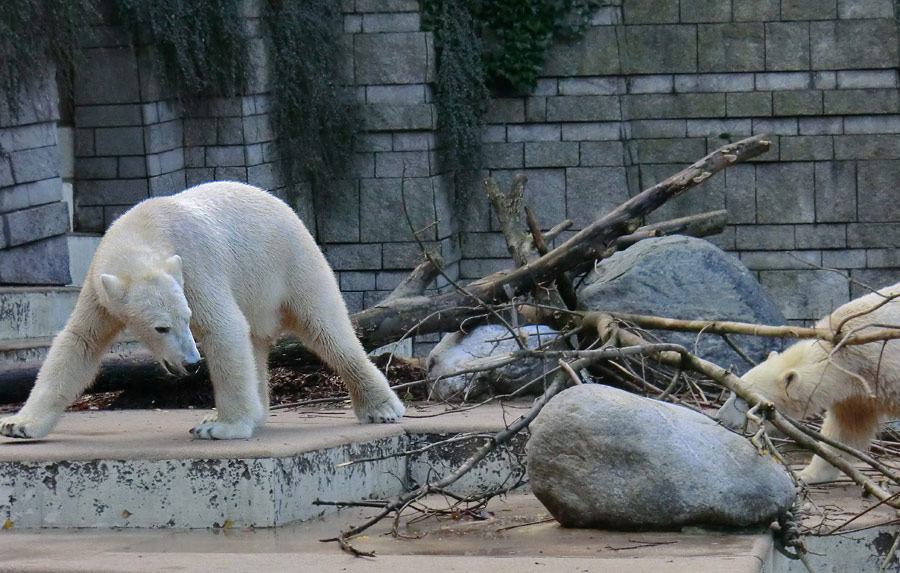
column 44, row 262
column 458, row 350
column 120, row 141
column 806, row 294
column 877, row 190
column 111, row 192
column 115, row 70
column 382, row 216
column 785, row 193
column 797, row 102
column 650, row 11
column 665, row 106
column 660, row 49
column 337, row 215
column 601, row 457
column 40, row 222
column 808, row 10
column 583, row 108
column 787, row 46
column 853, row 44
column 592, row 192
column 705, row 11
column 35, row 164
column 389, row 117
column 755, row 104
column 730, row 47
column 595, row 54
column 687, row 278
column 874, row 101
column 807, row 148
column 390, row 58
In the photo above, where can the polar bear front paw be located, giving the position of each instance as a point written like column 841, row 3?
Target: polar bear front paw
column 385, row 411
column 23, row 427
column 211, row 429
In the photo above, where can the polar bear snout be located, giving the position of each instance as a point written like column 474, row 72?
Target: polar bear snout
column 733, row 414
column 177, row 352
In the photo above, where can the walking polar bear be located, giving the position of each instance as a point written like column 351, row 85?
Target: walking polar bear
column 226, row 263
column 855, row 386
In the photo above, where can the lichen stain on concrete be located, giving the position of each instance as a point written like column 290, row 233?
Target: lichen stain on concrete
column 17, row 311
column 883, row 543
column 260, row 492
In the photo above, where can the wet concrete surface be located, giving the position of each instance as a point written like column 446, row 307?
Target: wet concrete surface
column 515, row 536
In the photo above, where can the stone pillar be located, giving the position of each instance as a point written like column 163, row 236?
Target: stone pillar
column 128, row 135
column 33, row 216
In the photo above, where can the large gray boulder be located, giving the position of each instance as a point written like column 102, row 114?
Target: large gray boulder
column 686, row 278
column 459, row 350
column 603, row 458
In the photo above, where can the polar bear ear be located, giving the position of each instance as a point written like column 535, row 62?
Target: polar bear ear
column 173, row 266
column 790, row 377
column 113, row 285
column 772, row 355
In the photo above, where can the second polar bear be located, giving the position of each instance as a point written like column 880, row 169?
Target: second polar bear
column 856, row 385
column 226, row 263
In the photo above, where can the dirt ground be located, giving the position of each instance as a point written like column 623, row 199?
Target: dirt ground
column 288, row 385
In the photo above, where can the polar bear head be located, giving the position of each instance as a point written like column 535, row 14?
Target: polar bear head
column 799, row 381
column 153, row 307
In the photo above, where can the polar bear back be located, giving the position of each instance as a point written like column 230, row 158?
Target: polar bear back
column 233, row 238
column 871, row 309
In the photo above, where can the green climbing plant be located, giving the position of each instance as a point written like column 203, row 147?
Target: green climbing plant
column 518, row 35
column 314, row 113
column 36, row 36
column 461, row 91
column 498, row 45
column 200, row 48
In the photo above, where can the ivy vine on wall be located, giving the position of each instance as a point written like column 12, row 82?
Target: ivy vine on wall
column 35, row 36
column 461, row 92
column 496, row 44
column 200, row 48
column 315, row 116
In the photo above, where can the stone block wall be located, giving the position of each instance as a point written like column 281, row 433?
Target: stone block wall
column 657, row 84
column 33, row 216
column 134, row 140
column 652, row 86
column 362, row 223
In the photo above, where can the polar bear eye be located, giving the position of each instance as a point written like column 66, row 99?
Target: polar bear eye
column 162, row 329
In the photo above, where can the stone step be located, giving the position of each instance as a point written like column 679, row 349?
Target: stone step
column 35, row 312
column 126, row 469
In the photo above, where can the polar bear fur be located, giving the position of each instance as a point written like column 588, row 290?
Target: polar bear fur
column 856, row 386
column 226, row 263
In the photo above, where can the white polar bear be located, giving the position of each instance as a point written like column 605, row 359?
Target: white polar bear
column 855, row 386
column 226, row 263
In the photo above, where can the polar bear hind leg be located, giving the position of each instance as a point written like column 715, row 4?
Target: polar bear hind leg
column 320, row 319
column 261, row 361
column 852, row 423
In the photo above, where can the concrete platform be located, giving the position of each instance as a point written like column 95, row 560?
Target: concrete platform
column 143, row 468
column 117, row 491
column 133, row 491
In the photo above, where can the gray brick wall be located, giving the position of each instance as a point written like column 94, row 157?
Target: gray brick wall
column 33, row 217
column 652, row 86
column 686, row 76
